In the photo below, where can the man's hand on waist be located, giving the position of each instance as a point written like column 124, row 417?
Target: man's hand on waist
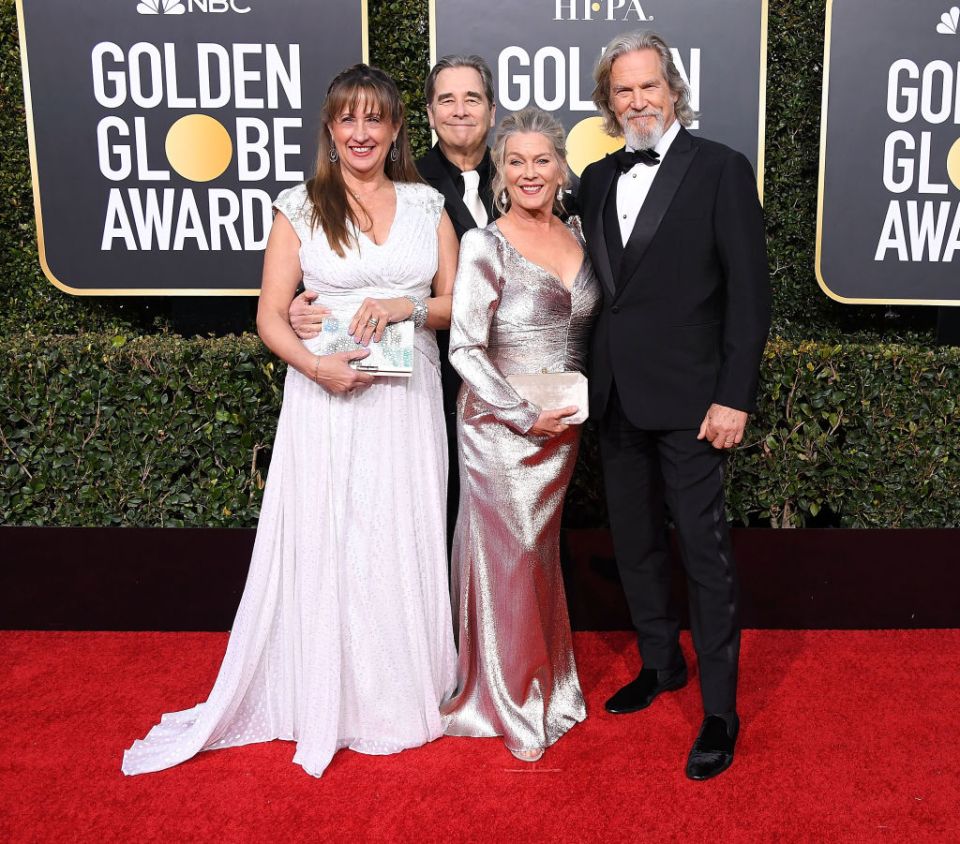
column 305, row 318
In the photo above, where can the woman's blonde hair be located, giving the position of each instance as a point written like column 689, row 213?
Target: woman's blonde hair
column 535, row 120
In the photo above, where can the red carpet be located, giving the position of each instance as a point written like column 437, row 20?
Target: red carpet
column 848, row 736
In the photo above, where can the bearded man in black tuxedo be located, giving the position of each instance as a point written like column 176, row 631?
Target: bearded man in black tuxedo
column 675, row 231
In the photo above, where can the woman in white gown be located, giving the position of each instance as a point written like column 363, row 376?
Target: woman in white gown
column 343, row 637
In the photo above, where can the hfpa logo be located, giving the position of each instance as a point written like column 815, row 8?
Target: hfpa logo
column 607, row 10
column 180, row 7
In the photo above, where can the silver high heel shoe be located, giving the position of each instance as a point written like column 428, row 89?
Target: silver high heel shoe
column 532, row 754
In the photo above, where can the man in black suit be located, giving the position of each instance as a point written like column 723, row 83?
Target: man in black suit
column 675, row 231
column 461, row 110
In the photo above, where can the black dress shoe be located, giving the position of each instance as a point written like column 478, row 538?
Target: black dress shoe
column 712, row 752
column 639, row 694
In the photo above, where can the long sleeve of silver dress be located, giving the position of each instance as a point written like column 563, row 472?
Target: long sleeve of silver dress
column 516, row 673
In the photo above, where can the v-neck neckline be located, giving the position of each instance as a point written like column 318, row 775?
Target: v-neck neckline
column 543, row 269
column 393, row 222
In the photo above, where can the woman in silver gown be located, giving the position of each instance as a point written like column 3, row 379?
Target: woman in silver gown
column 524, row 301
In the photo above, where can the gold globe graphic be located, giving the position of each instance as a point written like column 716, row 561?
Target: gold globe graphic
column 198, row 147
column 587, row 142
column 953, row 164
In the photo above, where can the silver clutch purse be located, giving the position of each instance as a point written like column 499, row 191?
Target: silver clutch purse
column 393, row 355
column 553, row 390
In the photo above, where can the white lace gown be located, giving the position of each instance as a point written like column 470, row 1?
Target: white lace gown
column 343, row 637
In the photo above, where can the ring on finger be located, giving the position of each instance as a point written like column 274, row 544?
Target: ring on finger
column 373, row 322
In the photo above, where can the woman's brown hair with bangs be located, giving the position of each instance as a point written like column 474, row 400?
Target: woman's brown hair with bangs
column 327, row 191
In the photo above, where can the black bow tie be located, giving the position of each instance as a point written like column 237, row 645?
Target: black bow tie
column 626, row 159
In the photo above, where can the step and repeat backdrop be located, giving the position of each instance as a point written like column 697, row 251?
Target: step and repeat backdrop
column 542, row 52
column 161, row 129
column 888, row 227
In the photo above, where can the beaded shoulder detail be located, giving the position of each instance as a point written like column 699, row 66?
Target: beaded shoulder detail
column 295, row 205
column 423, row 196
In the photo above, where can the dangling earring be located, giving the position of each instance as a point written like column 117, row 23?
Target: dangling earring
column 560, row 194
column 333, row 155
column 504, row 198
column 394, row 152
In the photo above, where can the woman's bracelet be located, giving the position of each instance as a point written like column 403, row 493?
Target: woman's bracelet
column 316, row 371
column 419, row 315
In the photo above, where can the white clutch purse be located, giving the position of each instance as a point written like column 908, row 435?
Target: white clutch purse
column 553, row 390
column 393, row 355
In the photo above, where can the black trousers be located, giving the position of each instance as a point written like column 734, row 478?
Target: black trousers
column 647, row 475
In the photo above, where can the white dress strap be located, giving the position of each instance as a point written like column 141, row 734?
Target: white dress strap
column 295, row 205
column 425, row 197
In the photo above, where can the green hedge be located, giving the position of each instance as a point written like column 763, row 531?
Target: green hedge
column 853, row 436
column 98, row 430
column 155, row 431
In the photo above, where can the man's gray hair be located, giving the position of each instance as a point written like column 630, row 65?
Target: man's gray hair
column 630, row 42
column 530, row 119
column 447, row 62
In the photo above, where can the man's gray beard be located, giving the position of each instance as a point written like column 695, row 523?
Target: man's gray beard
column 637, row 138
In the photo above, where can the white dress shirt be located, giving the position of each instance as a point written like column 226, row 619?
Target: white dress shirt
column 634, row 185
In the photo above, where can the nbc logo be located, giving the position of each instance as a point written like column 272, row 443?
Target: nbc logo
column 180, row 7
column 160, row 7
column 949, row 22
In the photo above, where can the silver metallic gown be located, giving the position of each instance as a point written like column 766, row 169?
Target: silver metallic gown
column 516, row 674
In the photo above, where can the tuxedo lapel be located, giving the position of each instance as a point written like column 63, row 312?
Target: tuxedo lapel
column 433, row 171
column 605, row 183
column 665, row 185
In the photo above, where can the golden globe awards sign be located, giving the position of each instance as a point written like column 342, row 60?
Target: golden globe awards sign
column 542, row 52
column 888, row 224
column 160, row 131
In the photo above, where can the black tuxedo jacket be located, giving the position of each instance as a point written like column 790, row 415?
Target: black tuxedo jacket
column 436, row 174
column 685, row 320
